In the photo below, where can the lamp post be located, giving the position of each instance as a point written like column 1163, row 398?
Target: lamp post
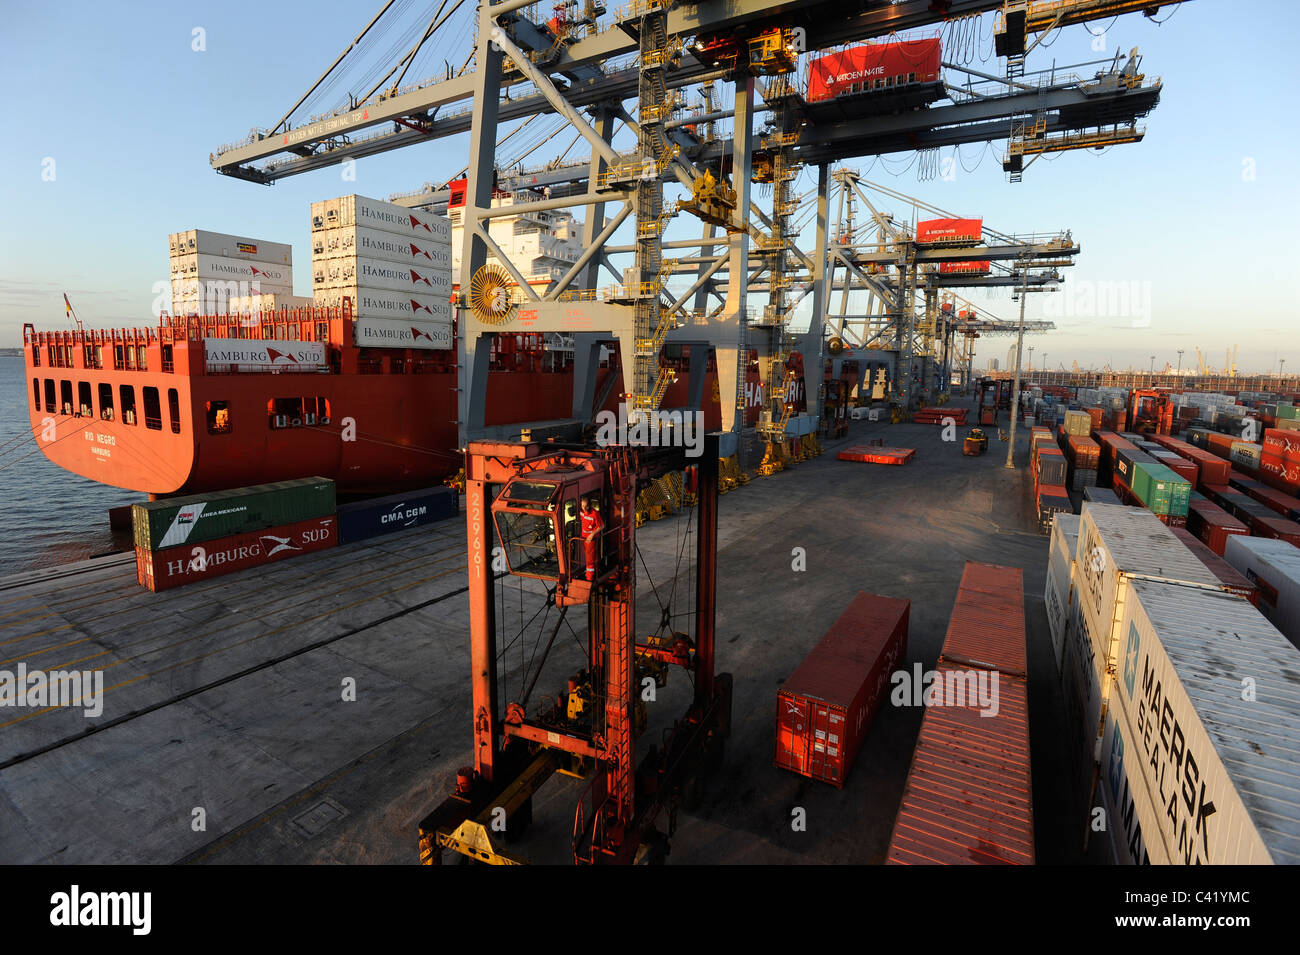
column 1180, row 361
column 1015, row 379
column 1030, row 370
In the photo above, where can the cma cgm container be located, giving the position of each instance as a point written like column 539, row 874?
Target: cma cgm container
column 825, row 708
column 1224, row 766
column 958, row 232
column 205, row 517
column 1274, row 567
column 384, row 515
column 192, row 562
column 1117, row 544
column 872, row 67
column 968, row 797
column 374, row 214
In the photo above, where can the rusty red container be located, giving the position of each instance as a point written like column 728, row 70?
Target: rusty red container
column 1212, row 525
column 968, row 798
column 177, row 566
column 1234, row 582
column 1280, row 528
column 825, row 708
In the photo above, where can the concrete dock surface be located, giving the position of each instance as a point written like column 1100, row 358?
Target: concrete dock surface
column 227, row 734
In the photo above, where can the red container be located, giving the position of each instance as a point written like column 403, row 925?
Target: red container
column 872, row 67
column 968, row 798
column 1280, row 501
column 1185, row 469
column 1213, row 525
column 868, row 455
column 1084, row 452
column 1279, row 528
column 825, row 708
column 176, row 566
column 949, row 231
column 975, row 268
column 1234, row 582
column 1097, row 417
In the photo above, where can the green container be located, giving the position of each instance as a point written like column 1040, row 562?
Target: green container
column 207, row 517
column 1160, row 489
column 1288, row 412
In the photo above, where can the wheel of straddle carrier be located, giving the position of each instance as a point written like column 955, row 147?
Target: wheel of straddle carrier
column 692, row 791
column 714, row 753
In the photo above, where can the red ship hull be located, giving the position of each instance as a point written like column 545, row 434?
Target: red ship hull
column 146, row 411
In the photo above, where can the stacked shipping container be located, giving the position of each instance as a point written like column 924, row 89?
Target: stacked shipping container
column 1209, row 771
column 394, row 263
column 208, row 269
column 185, row 539
column 968, row 798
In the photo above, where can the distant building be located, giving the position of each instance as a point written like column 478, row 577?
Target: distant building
column 993, row 364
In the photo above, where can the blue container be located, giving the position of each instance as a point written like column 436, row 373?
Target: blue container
column 394, row 512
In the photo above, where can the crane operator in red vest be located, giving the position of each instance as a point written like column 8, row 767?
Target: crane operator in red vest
column 592, row 525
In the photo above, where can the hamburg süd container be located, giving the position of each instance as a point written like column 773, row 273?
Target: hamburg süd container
column 824, row 710
column 1222, row 763
column 211, row 516
column 347, row 242
column 376, row 274
column 1273, row 566
column 394, row 333
column 195, row 561
column 410, row 306
column 375, row 214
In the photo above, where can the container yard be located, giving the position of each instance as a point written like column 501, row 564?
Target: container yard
column 678, row 475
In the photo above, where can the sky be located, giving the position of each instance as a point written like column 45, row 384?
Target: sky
column 113, row 118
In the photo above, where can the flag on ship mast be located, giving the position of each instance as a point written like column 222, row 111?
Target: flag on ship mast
column 70, row 313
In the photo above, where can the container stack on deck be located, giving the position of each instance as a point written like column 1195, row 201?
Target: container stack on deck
column 393, row 263
column 187, row 539
column 967, row 799
column 212, row 272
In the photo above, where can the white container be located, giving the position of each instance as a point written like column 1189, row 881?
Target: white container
column 403, row 306
column 1118, row 543
column 349, row 272
column 388, row 333
column 1207, row 690
column 1274, row 567
column 229, row 246
column 1132, row 819
column 218, row 296
column 1246, row 453
column 269, row 302
column 360, row 241
column 386, row 216
column 1060, row 573
column 247, row 270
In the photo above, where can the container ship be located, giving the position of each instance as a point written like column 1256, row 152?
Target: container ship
column 252, row 395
